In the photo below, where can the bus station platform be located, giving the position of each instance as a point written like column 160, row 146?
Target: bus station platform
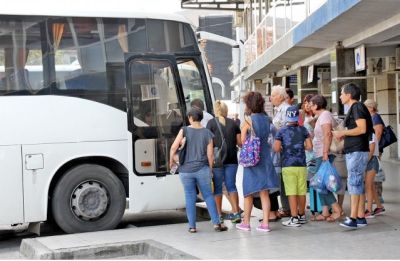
column 314, row 240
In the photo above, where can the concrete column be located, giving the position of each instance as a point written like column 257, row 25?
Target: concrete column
column 342, row 67
column 304, row 87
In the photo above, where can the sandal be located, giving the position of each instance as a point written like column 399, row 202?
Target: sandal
column 331, row 218
column 220, row 228
column 283, row 213
column 192, row 230
column 319, row 217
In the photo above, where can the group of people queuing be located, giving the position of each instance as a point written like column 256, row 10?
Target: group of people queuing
column 293, row 143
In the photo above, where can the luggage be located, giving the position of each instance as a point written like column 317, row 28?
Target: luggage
column 315, row 202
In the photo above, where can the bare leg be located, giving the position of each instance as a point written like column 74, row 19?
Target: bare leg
column 248, row 205
column 218, row 202
column 361, row 206
column 234, row 200
column 354, row 199
column 337, row 211
column 293, row 205
column 325, row 211
column 340, row 200
column 370, row 189
column 301, row 202
column 266, row 205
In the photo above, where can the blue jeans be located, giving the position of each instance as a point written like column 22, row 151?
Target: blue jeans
column 225, row 174
column 326, row 199
column 356, row 163
column 202, row 179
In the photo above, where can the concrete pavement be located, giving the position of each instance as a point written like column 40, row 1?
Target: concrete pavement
column 314, row 240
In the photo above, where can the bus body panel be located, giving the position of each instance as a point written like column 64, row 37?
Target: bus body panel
column 37, row 181
column 11, row 195
column 56, row 119
column 160, row 193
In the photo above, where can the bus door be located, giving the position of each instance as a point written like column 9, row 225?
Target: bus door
column 155, row 116
column 160, row 90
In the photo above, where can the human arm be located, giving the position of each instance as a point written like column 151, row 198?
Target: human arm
column 308, row 144
column 245, row 128
column 327, row 139
column 378, row 128
column 210, row 154
column 371, row 150
column 238, row 136
column 239, row 140
column 277, row 146
column 174, row 147
column 359, row 130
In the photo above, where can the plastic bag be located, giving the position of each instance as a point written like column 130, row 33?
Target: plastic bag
column 331, row 178
column 317, row 181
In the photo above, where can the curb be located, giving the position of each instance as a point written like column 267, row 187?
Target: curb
column 33, row 249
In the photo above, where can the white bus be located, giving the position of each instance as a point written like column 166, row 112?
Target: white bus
column 89, row 107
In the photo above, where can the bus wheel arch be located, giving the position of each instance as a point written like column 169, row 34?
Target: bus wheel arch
column 87, row 197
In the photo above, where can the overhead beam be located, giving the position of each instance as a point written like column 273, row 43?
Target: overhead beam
column 225, row 5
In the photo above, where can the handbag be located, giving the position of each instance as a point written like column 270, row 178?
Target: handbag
column 388, row 137
column 220, row 152
column 182, row 149
column 337, row 146
column 250, row 152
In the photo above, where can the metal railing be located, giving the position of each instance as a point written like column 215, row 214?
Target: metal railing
column 281, row 18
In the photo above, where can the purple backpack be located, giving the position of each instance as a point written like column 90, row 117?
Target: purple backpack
column 250, row 152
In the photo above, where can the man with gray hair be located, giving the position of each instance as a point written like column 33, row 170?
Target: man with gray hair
column 278, row 100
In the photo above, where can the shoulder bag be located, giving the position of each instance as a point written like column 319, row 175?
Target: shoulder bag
column 337, row 146
column 182, row 148
column 388, row 137
column 220, row 152
column 250, row 152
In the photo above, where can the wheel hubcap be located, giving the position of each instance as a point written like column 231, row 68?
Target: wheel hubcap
column 89, row 200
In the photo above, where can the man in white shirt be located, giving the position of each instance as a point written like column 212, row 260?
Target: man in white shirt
column 278, row 100
column 199, row 104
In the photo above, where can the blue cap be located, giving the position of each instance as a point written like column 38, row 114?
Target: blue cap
column 292, row 114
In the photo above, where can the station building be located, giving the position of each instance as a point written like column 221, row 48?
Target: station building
column 317, row 46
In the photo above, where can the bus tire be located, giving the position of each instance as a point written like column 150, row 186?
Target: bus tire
column 88, row 198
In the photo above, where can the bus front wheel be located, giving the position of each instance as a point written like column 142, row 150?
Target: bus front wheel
column 88, row 198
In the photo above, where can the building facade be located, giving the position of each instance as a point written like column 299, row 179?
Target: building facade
column 317, row 46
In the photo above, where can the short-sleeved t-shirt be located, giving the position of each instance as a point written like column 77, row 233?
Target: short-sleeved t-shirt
column 292, row 138
column 197, row 141
column 318, row 141
column 360, row 142
column 230, row 130
column 377, row 119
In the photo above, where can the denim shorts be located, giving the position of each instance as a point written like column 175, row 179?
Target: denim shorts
column 373, row 164
column 225, row 174
column 356, row 163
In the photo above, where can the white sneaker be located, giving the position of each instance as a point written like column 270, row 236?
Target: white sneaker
column 302, row 219
column 291, row 222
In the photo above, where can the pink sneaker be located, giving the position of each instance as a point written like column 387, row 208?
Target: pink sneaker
column 243, row 226
column 264, row 228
